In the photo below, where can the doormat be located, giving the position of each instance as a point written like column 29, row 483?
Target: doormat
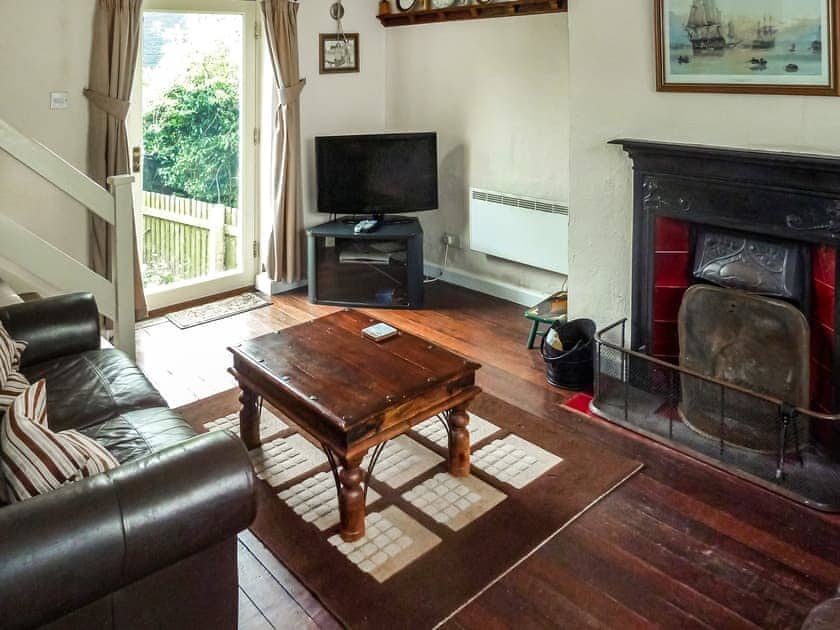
column 433, row 542
column 212, row 311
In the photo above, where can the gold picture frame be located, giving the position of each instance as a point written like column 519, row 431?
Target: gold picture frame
column 728, row 46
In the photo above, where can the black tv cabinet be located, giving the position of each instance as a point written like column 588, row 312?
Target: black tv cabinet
column 378, row 269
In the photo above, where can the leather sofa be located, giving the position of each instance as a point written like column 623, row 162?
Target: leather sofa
column 150, row 544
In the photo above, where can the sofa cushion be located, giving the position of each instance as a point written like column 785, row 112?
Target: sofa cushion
column 36, row 459
column 8, row 352
column 134, row 434
column 16, row 384
column 88, row 388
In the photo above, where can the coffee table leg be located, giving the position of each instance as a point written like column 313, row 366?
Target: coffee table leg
column 249, row 418
column 459, row 442
column 351, row 499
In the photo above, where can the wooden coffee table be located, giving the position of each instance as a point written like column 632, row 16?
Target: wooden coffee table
column 352, row 394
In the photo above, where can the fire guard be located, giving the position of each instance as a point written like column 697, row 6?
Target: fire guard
column 644, row 394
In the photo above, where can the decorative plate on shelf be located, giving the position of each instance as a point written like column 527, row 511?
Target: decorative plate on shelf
column 442, row 4
column 406, row 5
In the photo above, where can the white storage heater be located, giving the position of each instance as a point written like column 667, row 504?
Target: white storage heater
column 522, row 229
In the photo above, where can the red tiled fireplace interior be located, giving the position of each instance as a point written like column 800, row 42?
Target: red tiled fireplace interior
column 672, row 276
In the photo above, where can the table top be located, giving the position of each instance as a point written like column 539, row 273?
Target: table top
column 328, row 365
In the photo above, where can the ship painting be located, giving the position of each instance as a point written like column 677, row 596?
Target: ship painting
column 732, row 45
column 765, row 34
column 704, row 28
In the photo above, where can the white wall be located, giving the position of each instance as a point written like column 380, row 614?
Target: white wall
column 338, row 103
column 613, row 95
column 44, row 47
column 496, row 91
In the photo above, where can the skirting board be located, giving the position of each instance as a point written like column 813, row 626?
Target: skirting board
column 496, row 288
column 458, row 277
column 266, row 285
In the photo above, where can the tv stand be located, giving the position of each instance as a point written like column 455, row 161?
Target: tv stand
column 382, row 218
column 371, row 269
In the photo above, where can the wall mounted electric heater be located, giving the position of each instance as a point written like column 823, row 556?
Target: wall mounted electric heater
column 526, row 230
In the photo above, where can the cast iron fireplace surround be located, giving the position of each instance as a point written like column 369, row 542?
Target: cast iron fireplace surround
column 774, row 206
column 785, row 195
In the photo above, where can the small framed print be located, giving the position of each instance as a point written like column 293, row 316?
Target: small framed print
column 339, row 53
column 747, row 46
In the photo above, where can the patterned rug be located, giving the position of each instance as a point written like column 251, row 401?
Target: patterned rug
column 210, row 312
column 433, row 542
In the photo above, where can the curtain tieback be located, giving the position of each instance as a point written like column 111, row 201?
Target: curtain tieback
column 291, row 94
column 116, row 107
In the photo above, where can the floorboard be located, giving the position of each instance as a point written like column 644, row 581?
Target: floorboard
column 681, row 545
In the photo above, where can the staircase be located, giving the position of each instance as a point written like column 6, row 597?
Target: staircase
column 26, row 258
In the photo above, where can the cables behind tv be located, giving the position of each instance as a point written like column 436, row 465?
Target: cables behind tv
column 442, row 267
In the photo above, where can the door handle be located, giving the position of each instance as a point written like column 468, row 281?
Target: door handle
column 135, row 160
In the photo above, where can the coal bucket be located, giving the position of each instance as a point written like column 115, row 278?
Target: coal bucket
column 571, row 367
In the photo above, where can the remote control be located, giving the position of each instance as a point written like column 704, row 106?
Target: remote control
column 368, row 225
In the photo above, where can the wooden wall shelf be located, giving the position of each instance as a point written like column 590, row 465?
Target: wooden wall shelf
column 474, row 12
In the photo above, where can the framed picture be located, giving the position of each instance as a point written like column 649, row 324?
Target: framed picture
column 339, row 53
column 747, row 46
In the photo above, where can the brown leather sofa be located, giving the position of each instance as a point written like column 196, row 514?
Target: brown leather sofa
column 151, row 544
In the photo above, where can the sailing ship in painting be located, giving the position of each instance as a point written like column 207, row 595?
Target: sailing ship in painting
column 704, row 28
column 816, row 45
column 765, row 34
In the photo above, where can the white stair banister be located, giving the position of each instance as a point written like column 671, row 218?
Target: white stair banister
column 122, row 260
column 57, row 171
column 26, row 250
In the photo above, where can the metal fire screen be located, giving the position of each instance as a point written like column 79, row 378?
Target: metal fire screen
column 644, row 394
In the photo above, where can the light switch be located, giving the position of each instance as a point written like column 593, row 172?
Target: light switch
column 59, row 100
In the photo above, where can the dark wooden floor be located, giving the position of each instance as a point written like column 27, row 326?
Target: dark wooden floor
column 680, row 545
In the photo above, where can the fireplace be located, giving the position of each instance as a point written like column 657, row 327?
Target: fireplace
column 724, row 218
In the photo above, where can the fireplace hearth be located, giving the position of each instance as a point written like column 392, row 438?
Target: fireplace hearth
column 732, row 353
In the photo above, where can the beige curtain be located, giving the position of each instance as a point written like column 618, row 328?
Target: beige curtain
column 116, row 37
column 285, row 248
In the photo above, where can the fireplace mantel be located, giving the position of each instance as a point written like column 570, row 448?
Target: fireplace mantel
column 789, row 195
column 783, row 195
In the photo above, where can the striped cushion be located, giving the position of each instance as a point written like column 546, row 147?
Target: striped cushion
column 20, row 346
column 8, row 351
column 35, row 459
column 15, row 385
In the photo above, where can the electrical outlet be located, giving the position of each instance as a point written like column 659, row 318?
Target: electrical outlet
column 59, row 100
column 453, row 240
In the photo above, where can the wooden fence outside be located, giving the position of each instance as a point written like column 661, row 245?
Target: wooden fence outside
column 185, row 238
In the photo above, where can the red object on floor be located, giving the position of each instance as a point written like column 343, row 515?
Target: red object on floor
column 580, row 403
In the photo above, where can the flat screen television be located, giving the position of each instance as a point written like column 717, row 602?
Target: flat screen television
column 377, row 174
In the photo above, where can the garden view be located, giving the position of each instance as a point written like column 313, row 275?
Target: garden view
column 192, row 69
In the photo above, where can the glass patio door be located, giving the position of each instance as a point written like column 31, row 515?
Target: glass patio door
column 195, row 200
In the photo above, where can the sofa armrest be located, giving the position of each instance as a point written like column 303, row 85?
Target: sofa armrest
column 65, row 549
column 54, row 326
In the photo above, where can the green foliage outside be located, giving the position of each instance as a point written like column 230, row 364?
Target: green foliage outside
column 191, row 138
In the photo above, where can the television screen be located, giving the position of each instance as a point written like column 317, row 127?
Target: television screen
column 377, row 174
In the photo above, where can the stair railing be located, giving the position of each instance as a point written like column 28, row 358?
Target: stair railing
column 42, row 259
